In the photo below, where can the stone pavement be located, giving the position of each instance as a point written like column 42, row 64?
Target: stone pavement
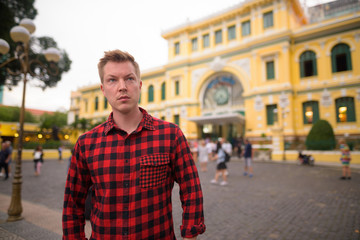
column 282, row 201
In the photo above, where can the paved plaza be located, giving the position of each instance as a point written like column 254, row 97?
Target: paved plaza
column 281, row 201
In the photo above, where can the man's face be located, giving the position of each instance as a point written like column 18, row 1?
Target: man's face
column 121, row 86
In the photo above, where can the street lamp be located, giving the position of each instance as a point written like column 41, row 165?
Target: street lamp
column 21, row 36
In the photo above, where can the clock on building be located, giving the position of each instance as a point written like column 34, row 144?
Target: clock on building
column 221, row 95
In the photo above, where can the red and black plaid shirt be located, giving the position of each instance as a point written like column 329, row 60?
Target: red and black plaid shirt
column 132, row 178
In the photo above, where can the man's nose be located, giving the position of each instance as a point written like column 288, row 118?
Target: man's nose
column 122, row 85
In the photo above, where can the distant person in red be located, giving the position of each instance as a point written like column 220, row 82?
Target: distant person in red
column 131, row 161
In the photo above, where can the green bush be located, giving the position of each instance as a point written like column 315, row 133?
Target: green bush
column 51, row 144
column 321, row 136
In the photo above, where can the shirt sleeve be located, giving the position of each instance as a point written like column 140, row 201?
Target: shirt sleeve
column 191, row 196
column 76, row 188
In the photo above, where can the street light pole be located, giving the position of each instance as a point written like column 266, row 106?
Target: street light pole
column 21, row 34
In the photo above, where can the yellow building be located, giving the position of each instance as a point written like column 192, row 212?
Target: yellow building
column 262, row 69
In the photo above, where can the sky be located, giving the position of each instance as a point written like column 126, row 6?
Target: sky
column 87, row 28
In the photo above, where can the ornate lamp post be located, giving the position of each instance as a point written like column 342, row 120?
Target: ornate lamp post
column 21, row 35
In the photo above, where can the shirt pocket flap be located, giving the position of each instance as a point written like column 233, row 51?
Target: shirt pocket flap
column 155, row 160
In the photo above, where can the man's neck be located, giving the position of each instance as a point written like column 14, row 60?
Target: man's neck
column 128, row 122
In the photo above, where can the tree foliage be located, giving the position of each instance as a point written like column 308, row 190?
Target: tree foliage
column 321, row 136
column 12, row 114
column 11, row 13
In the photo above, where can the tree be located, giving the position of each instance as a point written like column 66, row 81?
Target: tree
column 321, row 136
column 53, row 121
column 12, row 114
column 11, row 13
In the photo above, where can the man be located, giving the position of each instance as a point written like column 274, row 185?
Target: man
column 248, row 155
column 131, row 161
column 9, row 160
column 4, row 159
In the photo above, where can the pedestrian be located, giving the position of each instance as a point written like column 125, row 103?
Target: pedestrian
column 345, row 160
column 10, row 149
column 220, row 164
column 228, row 153
column 38, row 159
column 4, row 159
column 132, row 161
column 203, row 155
column 248, row 157
column 69, row 161
column 60, row 152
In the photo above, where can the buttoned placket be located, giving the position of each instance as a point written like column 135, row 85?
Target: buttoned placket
column 126, row 186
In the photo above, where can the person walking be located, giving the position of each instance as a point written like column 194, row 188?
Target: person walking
column 345, row 160
column 10, row 150
column 131, row 161
column 248, row 157
column 60, row 149
column 203, row 155
column 4, row 159
column 38, row 159
column 220, row 164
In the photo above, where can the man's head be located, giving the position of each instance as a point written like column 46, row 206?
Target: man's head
column 117, row 56
column 120, row 81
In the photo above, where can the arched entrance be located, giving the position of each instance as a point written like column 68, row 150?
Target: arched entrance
column 221, row 107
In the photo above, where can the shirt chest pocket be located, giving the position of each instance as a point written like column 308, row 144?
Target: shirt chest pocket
column 153, row 170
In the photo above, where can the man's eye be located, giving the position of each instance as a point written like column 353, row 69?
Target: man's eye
column 131, row 79
column 111, row 80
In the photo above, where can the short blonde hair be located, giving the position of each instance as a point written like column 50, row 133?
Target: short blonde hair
column 117, row 56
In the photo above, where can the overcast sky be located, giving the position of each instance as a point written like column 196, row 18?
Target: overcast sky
column 87, row 28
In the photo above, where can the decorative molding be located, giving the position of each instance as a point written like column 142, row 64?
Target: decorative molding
column 259, row 104
column 244, row 64
column 326, row 99
column 217, row 64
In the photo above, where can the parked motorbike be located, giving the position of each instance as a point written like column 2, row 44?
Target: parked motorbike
column 306, row 159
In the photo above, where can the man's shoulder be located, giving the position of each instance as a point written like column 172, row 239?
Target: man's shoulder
column 94, row 132
column 162, row 124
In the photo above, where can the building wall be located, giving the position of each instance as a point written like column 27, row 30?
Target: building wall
column 245, row 59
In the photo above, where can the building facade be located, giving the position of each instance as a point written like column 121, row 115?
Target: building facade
column 262, row 69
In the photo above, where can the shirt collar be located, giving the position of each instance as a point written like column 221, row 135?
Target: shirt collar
column 146, row 122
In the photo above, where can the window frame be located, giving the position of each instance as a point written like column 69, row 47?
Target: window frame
column 151, row 93
column 206, row 40
column 163, row 91
column 268, row 22
column 271, row 114
column 349, row 103
column 218, row 37
column 243, row 28
column 340, row 49
column 231, row 32
column 177, row 48
column 269, row 76
column 194, row 44
column 305, row 57
column 315, row 110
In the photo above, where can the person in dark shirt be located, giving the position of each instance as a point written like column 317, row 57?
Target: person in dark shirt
column 4, row 159
column 248, row 155
column 131, row 161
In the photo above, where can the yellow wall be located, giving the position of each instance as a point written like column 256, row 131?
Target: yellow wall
column 245, row 58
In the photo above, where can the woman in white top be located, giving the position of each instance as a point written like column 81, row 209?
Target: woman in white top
column 38, row 159
column 203, row 155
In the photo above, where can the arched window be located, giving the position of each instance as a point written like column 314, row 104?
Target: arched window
column 310, row 112
column 151, row 93
column 96, row 103
column 163, row 91
column 105, row 103
column 345, row 109
column 341, row 58
column 308, row 65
